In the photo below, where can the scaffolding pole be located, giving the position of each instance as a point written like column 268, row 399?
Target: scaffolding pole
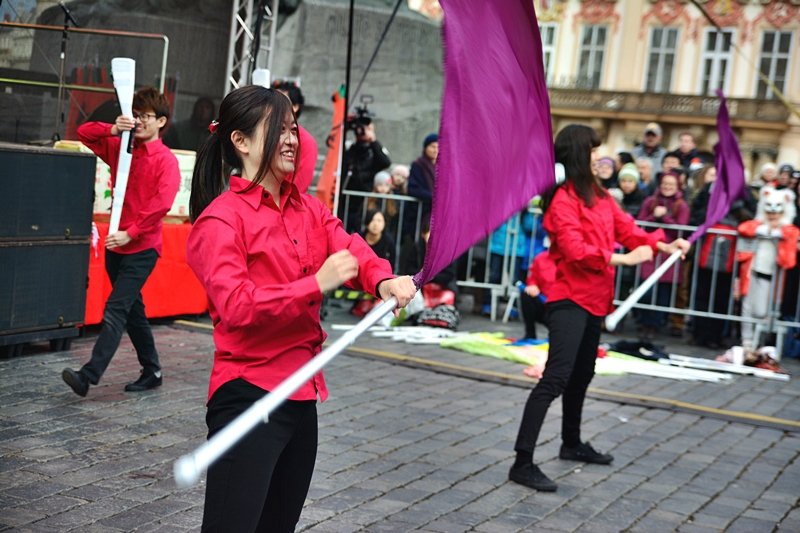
column 251, row 45
column 240, row 57
column 267, row 34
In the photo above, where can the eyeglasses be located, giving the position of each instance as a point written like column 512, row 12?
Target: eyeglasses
column 144, row 117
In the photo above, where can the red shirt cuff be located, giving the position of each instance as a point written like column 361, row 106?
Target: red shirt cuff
column 307, row 287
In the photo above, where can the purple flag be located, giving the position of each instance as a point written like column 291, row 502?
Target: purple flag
column 495, row 135
column 730, row 183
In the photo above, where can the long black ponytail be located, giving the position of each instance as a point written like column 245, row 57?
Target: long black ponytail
column 241, row 110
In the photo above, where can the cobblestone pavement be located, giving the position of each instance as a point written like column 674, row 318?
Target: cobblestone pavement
column 401, row 447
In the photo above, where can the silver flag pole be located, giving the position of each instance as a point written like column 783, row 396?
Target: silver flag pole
column 188, row 468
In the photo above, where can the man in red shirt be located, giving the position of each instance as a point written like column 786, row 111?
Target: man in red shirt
column 131, row 252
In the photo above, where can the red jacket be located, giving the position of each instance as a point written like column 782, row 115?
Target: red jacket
column 786, row 257
column 542, row 273
column 581, row 243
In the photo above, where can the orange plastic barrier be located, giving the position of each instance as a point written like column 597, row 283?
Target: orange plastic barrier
column 171, row 290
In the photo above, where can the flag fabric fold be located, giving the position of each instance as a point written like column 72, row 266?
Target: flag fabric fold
column 730, row 184
column 495, row 135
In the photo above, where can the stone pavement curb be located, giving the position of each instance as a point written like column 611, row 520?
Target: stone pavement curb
column 401, row 449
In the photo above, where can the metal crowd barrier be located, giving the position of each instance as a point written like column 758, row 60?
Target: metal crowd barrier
column 474, row 265
column 475, row 271
column 718, row 282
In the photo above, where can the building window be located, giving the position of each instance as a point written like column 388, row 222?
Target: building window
column 663, row 42
column 716, row 61
column 590, row 60
column 548, row 33
column 774, row 64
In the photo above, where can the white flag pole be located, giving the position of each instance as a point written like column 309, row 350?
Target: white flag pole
column 188, row 468
column 123, row 70
column 613, row 319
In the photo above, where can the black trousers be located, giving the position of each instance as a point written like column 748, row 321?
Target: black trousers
column 533, row 311
column 706, row 329
column 125, row 311
column 574, row 336
column 262, row 482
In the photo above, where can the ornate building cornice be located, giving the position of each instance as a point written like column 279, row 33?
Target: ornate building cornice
column 597, row 12
column 778, row 15
column 550, row 10
column 668, row 13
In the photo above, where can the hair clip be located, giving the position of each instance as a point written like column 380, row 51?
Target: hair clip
column 212, row 128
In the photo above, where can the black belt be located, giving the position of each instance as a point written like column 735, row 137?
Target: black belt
column 763, row 276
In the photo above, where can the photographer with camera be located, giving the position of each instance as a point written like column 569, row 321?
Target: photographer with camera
column 365, row 158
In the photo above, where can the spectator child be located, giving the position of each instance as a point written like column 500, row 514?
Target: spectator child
column 400, row 179
column 511, row 240
column 540, row 276
column 761, row 261
column 633, row 197
column 383, row 185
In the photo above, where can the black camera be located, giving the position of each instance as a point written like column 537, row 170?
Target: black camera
column 362, row 117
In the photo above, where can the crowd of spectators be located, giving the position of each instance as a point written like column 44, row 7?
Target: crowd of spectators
column 672, row 188
column 657, row 186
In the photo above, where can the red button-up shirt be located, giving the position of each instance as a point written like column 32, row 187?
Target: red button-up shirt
column 153, row 183
column 257, row 263
column 582, row 240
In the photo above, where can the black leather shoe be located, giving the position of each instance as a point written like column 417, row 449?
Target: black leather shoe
column 146, row 381
column 530, row 476
column 585, row 453
column 76, row 380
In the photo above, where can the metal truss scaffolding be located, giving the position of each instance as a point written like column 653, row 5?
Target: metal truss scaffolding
column 252, row 38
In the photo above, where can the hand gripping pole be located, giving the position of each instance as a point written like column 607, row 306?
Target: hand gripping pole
column 613, row 319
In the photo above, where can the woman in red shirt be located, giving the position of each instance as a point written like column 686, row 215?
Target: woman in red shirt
column 584, row 223
column 265, row 253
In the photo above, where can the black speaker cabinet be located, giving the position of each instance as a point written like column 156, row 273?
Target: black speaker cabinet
column 43, row 284
column 44, row 193
column 45, row 234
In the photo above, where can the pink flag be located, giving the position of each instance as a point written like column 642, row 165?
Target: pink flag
column 495, row 136
column 730, row 184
